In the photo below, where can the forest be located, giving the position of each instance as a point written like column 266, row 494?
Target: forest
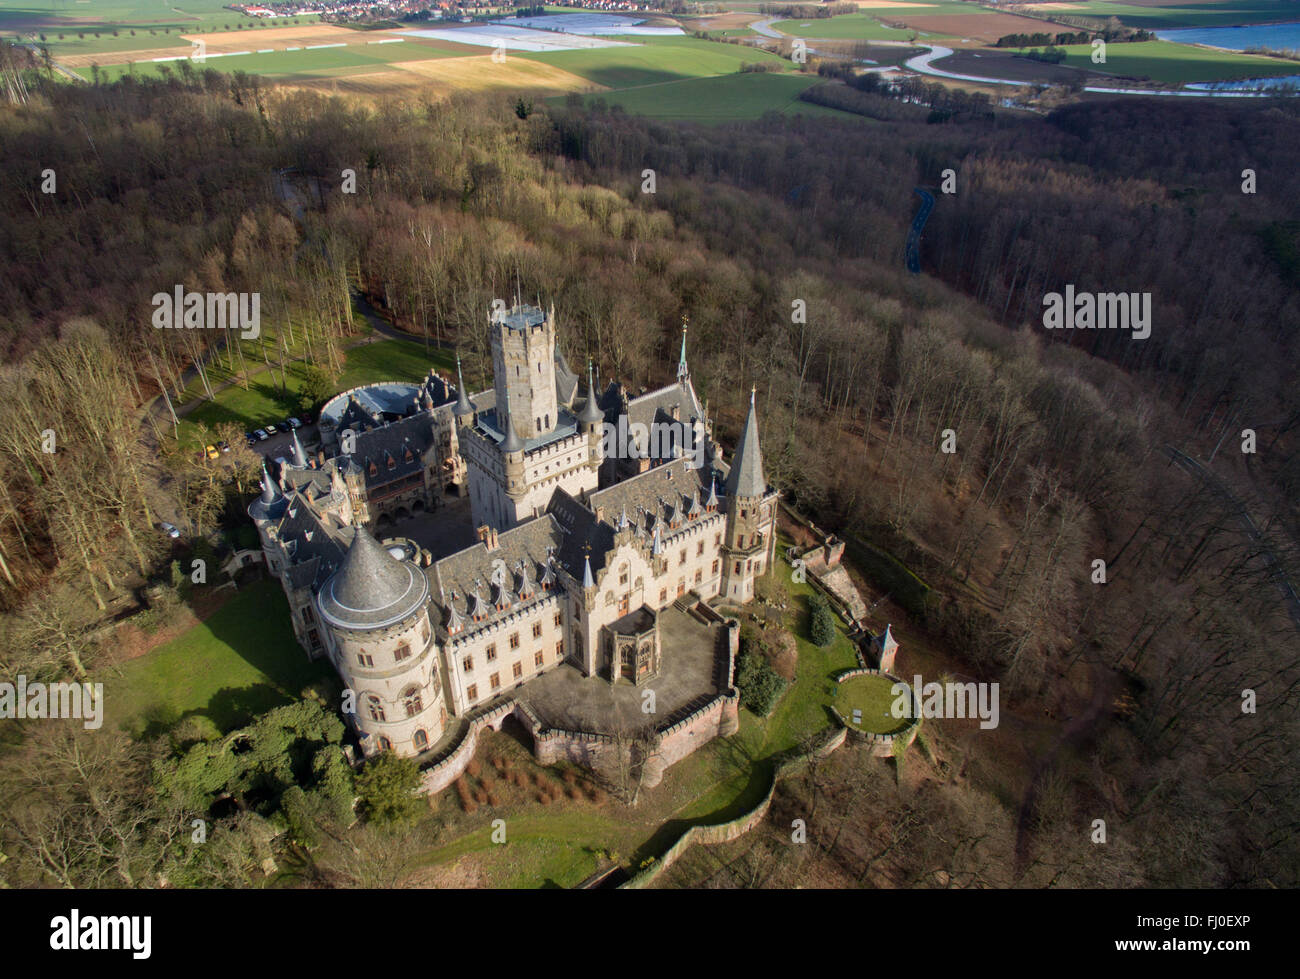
column 1065, row 439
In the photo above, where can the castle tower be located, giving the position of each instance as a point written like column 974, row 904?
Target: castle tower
column 380, row 639
column 751, row 516
column 523, row 364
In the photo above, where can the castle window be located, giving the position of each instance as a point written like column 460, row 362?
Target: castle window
column 385, row 744
column 424, row 632
column 663, row 595
column 471, row 692
column 715, row 566
column 681, row 586
column 421, row 740
column 699, row 548
column 742, row 514
column 622, row 578
column 495, row 680
column 365, row 659
column 375, row 709
column 699, row 577
column 402, row 652
column 492, row 653
column 681, row 558
column 518, row 670
column 468, row 664
column 559, row 650
column 559, row 619
column 514, row 640
column 412, row 702
column 374, row 470
column 537, row 630
column 717, row 539
column 540, row 657
column 407, row 455
column 737, row 567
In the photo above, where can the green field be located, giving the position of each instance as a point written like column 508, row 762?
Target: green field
column 724, row 98
column 874, row 696
column 654, row 59
column 262, row 403
column 1165, row 61
column 105, row 16
column 320, row 61
column 846, row 27
column 1222, row 13
column 242, row 661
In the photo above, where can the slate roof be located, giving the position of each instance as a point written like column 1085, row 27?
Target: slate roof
column 371, row 588
column 314, row 542
column 524, row 552
column 746, row 475
column 390, row 443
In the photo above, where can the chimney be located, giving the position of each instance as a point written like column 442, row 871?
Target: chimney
column 488, row 536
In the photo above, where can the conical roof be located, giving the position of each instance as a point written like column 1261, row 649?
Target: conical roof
column 463, row 407
column 746, row 476
column 299, row 456
column 372, row 588
column 591, row 413
column 512, row 442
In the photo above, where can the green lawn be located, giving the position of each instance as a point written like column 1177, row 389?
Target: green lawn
column 263, row 403
column 725, row 98
column 874, row 696
column 848, row 27
column 242, row 661
column 1165, row 61
column 654, row 59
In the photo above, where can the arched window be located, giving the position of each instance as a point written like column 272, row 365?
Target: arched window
column 421, row 740
column 375, row 708
column 385, row 744
column 412, row 702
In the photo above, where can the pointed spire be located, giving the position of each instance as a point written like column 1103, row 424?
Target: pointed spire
column 746, row 476
column 591, row 413
column 712, row 502
column 299, row 456
column 683, row 372
column 512, row 442
column 454, row 623
column 548, row 575
column 657, row 547
column 694, row 511
column 268, row 486
column 463, row 407
column 622, row 520
column 587, row 580
column 477, row 610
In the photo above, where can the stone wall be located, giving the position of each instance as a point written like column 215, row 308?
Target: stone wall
column 437, row 777
column 882, row 745
column 716, row 833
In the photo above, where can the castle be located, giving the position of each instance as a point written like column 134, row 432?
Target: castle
column 594, row 516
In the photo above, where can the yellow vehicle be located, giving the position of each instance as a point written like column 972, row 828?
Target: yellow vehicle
column 212, row 452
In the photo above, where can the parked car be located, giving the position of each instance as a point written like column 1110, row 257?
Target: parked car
column 252, row 440
column 271, row 429
column 223, row 446
column 211, row 452
column 294, row 423
column 262, row 435
column 169, row 530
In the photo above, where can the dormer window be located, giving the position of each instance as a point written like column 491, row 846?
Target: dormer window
column 374, row 470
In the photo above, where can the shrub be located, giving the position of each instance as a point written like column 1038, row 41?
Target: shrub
column 821, row 627
column 387, row 787
column 760, row 686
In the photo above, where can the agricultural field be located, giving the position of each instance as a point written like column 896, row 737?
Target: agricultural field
column 724, row 98
column 1157, row 15
column 1165, row 61
column 654, row 60
column 846, row 27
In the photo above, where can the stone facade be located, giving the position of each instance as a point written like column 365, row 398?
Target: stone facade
column 575, row 560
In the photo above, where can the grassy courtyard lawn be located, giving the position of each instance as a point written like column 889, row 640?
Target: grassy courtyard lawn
column 242, row 661
column 1165, row 61
column 873, row 695
column 726, row 98
column 654, row 59
column 850, row 27
column 263, row 403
